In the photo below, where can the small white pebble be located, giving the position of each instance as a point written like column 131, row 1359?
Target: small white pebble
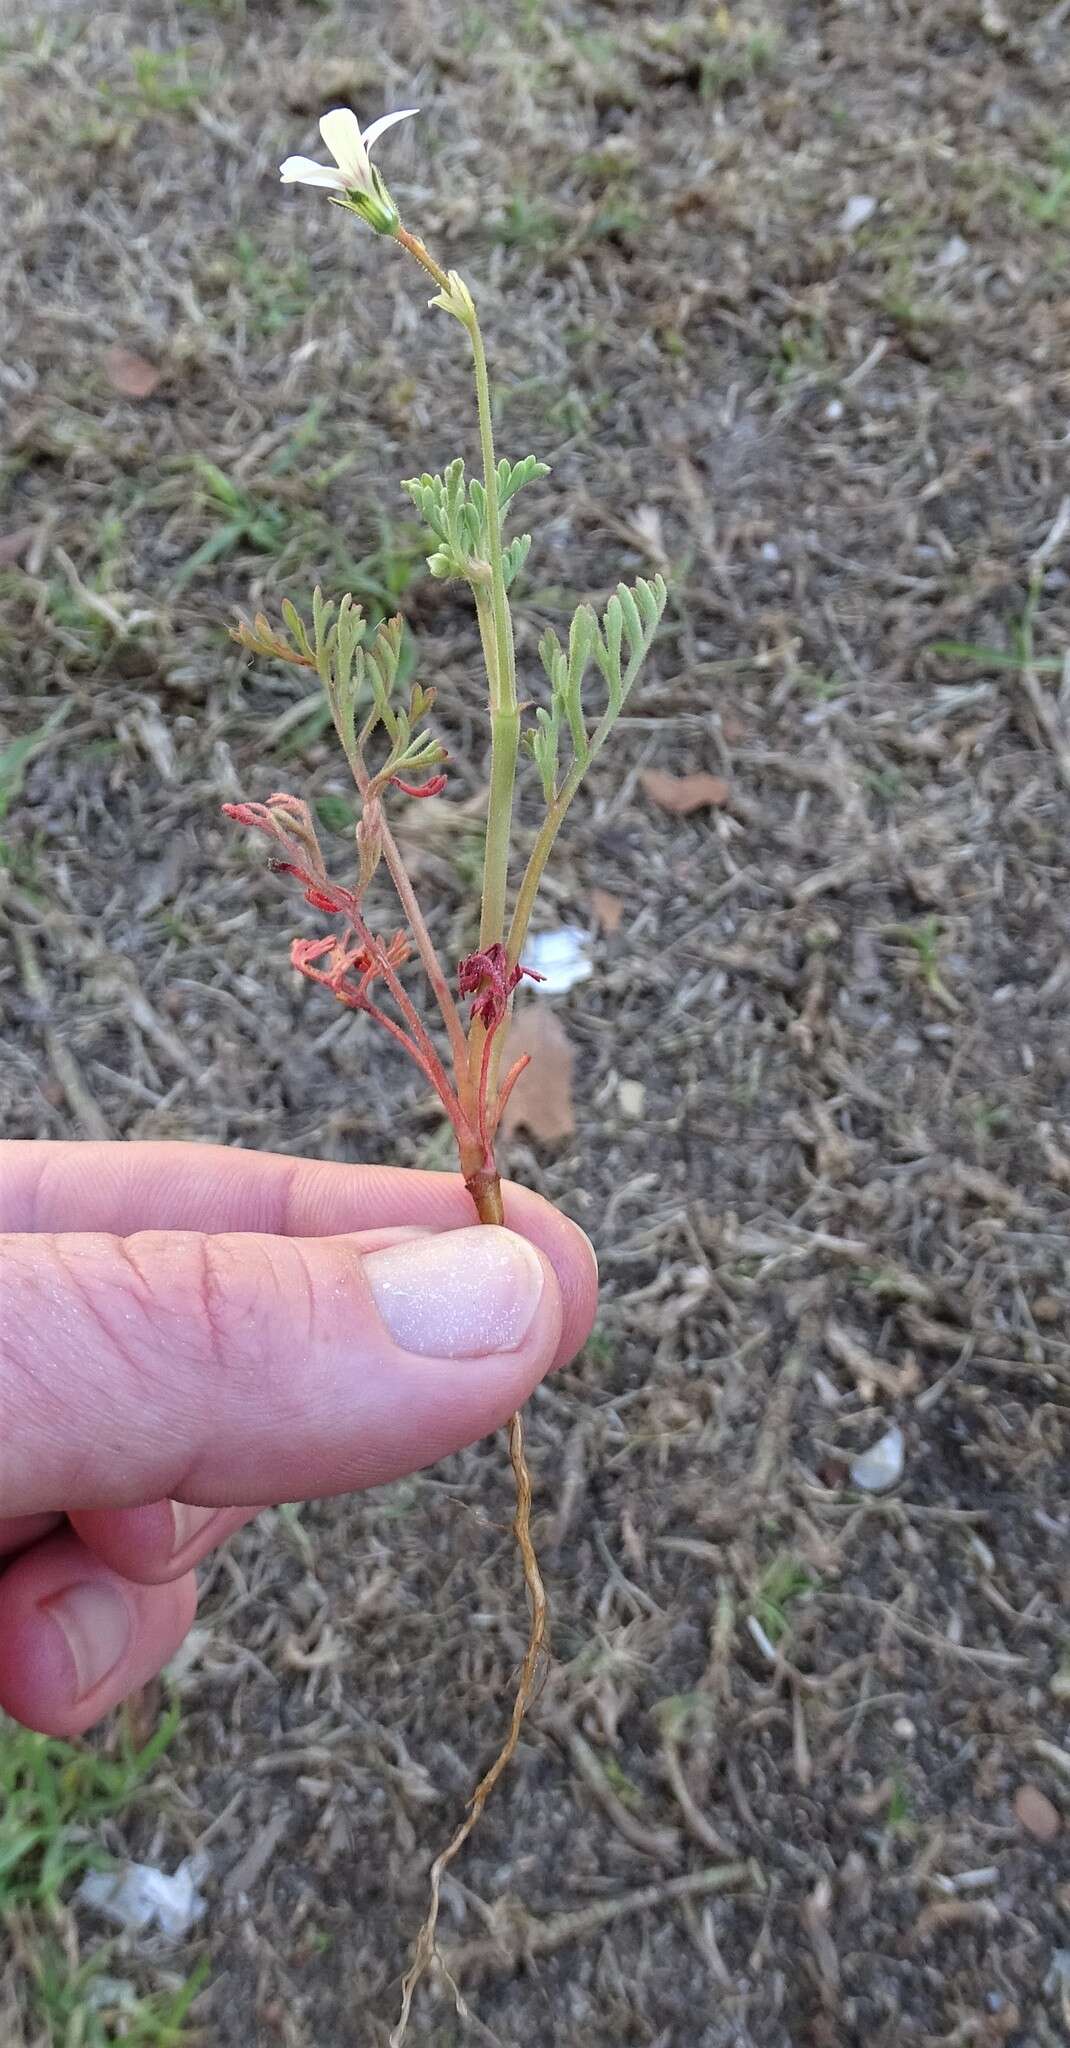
column 881, row 1467
column 954, row 251
column 860, row 207
column 632, row 1098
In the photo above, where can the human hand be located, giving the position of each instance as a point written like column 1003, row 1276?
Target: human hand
column 189, row 1332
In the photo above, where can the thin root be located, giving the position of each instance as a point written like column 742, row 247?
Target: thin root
column 426, row 1948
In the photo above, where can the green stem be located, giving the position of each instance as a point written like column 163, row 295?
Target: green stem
column 501, row 668
column 504, row 714
column 504, row 746
column 425, row 946
column 532, row 876
column 487, row 639
column 496, row 636
column 548, row 831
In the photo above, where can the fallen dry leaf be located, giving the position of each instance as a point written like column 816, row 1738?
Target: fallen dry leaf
column 131, row 375
column 1035, row 1813
column 683, row 793
column 541, row 1101
column 608, row 911
column 14, row 545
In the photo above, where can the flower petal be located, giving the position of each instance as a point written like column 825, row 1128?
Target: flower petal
column 340, row 130
column 384, row 122
column 300, row 170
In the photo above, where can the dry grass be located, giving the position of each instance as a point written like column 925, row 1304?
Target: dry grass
column 845, row 993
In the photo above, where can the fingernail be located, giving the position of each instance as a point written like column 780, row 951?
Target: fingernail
column 96, row 1623
column 188, row 1522
column 463, row 1294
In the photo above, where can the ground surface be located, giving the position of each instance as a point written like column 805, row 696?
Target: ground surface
column 842, row 1199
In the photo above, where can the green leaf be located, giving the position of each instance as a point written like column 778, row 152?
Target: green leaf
column 218, row 543
column 455, row 509
column 995, row 657
column 514, row 557
column 16, row 758
column 296, row 625
column 512, row 476
column 630, row 618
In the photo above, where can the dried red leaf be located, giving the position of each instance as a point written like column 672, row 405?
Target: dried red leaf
column 433, row 787
column 541, row 1097
column 608, row 910
column 489, row 978
column 682, row 794
column 133, row 376
column 14, row 545
column 1034, row 1812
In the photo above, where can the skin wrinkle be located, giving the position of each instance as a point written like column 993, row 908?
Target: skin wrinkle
column 35, row 1192
column 300, row 1259
column 48, row 1395
column 86, row 1295
column 211, row 1292
column 280, row 1276
column 98, row 1359
column 286, row 1225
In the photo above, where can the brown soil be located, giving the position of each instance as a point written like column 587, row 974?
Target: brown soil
column 845, row 1200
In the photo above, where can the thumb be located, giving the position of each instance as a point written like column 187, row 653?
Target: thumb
column 234, row 1369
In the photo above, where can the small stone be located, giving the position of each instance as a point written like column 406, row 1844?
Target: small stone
column 632, row 1098
column 860, row 207
column 954, row 252
column 881, row 1466
column 1034, row 1812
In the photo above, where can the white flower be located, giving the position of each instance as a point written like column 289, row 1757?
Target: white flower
column 353, row 175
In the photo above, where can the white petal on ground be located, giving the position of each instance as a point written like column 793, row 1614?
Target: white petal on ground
column 384, row 122
column 300, row 170
column 340, row 130
column 859, row 208
column 137, row 1895
column 881, row 1466
column 560, row 957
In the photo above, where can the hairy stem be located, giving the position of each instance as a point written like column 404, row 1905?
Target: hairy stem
column 501, row 669
column 432, row 966
column 504, row 746
column 543, row 847
column 504, row 715
column 532, row 876
column 425, row 944
column 416, row 248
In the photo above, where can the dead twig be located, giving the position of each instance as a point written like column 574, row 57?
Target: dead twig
column 661, row 1843
column 64, row 1065
column 533, row 1937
